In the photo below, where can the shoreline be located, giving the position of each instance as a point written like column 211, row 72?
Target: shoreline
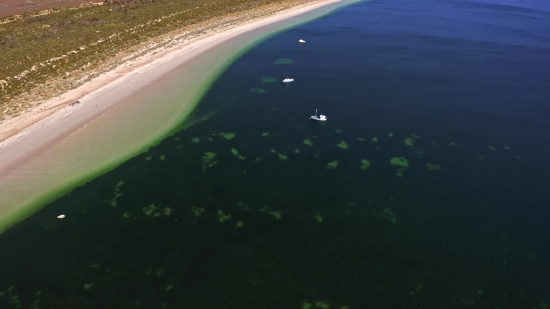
column 38, row 164
column 147, row 52
column 15, row 130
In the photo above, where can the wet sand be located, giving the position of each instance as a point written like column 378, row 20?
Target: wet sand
column 123, row 113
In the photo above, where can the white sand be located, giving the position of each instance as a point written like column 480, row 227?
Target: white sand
column 116, row 118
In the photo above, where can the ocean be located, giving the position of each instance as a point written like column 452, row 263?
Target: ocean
column 428, row 186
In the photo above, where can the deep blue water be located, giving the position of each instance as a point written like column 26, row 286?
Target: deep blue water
column 465, row 82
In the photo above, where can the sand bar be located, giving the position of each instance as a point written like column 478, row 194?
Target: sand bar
column 122, row 114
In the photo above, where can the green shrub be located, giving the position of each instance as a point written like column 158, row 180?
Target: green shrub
column 39, row 39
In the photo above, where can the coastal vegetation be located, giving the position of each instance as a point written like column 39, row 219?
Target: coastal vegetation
column 48, row 52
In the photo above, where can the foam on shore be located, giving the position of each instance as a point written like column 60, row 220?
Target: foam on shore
column 134, row 113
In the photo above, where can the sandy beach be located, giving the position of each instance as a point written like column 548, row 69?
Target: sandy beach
column 50, row 150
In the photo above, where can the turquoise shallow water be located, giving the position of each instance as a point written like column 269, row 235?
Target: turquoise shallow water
column 256, row 207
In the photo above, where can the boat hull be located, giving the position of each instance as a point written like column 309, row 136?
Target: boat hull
column 317, row 118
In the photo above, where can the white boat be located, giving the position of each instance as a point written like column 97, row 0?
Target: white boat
column 288, row 80
column 60, row 216
column 318, row 118
column 301, row 41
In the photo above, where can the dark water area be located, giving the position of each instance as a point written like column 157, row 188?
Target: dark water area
column 256, row 206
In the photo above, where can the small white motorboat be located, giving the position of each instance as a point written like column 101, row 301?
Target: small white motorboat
column 61, row 216
column 318, row 118
column 288, row 80
column 301, row 41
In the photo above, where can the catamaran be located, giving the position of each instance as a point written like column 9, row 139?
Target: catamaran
column 288, row 80
column 318, row 118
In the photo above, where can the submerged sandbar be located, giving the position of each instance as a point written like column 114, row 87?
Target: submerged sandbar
column 124, row 118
